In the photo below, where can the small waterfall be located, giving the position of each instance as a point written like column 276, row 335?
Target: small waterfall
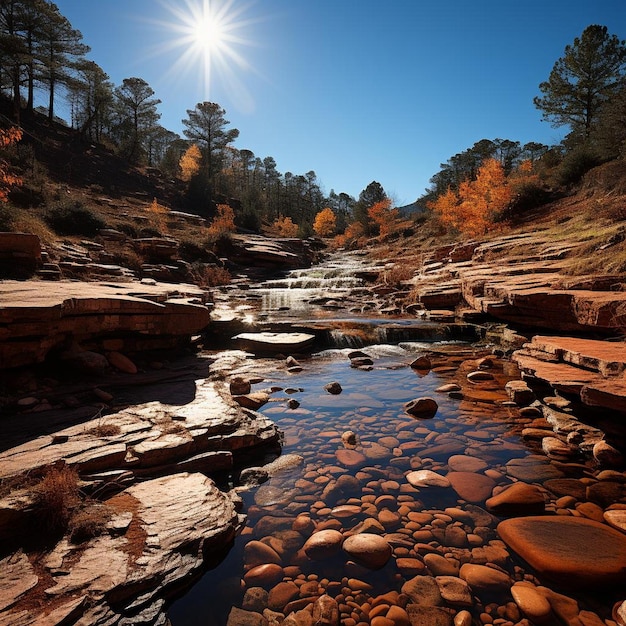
column 342, row 339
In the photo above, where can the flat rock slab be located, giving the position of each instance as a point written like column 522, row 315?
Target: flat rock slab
column 274, row 342
column 37, row 316
column 561, row 376
column 149, row 436
column 573, row 551
column 606, row 357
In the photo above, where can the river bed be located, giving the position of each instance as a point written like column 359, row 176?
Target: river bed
column 351, row 453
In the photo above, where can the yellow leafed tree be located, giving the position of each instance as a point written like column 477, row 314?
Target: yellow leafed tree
column 325, row 223
column 224, row 221
column 158, row 215
column 354, row 235
column 190, row 163
column 285, row 227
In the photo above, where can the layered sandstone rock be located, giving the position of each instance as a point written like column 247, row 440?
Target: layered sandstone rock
column 593, row 369
column 37, row 317
column 170, row 525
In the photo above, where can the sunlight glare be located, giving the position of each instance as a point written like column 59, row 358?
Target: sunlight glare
column 207, row 36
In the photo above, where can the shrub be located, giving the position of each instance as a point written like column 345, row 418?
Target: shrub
column 575, row 164
column 7, row 217
column 127, row 229
column 210, row 275
column 193, row 252
column 529, row 195
column 73, row 219
column 398, row 274
column 148, row 232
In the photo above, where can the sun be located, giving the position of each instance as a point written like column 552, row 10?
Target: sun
column 208, row 37
column 208, row 34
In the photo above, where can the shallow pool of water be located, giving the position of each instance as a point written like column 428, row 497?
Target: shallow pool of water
column 483, row 430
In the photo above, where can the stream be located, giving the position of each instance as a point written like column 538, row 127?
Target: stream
column 363, row 440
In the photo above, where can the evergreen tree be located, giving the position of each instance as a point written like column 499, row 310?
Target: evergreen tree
column 582, row 80
column 137, row 110
column 206, row 125
column 61, row 48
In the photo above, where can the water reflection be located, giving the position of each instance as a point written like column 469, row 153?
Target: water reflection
column 390, row 442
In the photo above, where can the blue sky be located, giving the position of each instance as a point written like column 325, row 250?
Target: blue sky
column 355, row 90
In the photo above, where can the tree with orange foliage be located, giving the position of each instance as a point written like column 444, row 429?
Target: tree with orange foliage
column 446, row 207
column 325, row 223
column 354, row 235
column 383, row 216
column 474, row 209
column 8, row 137
column 189, row 163
column 285, row 227
column 224, row 222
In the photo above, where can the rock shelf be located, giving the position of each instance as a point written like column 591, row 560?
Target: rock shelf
column 167, row 518
column 530, row 289
column 39, row 316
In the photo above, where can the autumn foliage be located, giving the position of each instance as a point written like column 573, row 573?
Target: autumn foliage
column 189, row 163
column 473, row 210
column 224, row 221
column 353, row 236
column 325, row 223
column 285, row 227
column 7, row 180
column 158, row 215
column 383, row 216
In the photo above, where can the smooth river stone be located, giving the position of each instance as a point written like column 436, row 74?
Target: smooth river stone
column 369, row 550
column 323, row 544
column 258, row 553
column 574, row 551
column 423, row 590
column 283, row 593
column 350, row 458
column 471, row 487
column 374, row 452
column 518, row 499
column 532, row 469
column 483, row 579
column 567, row 487
column 427, row 478
column 455, row 591
column 464, row 463
column 263, row 575
column 616, row 518
column 556, row 449
column 534, row 605
column 424, row 408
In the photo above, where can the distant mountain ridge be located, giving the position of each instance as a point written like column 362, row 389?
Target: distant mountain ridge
column 412, row 210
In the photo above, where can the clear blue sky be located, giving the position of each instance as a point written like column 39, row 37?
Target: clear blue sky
column 356, row 90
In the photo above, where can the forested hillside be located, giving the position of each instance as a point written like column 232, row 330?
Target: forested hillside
column 114, row 145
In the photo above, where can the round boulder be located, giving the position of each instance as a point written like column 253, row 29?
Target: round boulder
column 367, row 549
column 333, row 388
column 323, row 544
column 424, row 408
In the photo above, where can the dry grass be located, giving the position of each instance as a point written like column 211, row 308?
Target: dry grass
column 56, row 496
column 88, row 521
column 210, row 275
column 399, row 274
column 104, row 429
column 28, row 222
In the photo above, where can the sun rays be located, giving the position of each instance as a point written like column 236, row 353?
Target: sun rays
column 208, row 38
